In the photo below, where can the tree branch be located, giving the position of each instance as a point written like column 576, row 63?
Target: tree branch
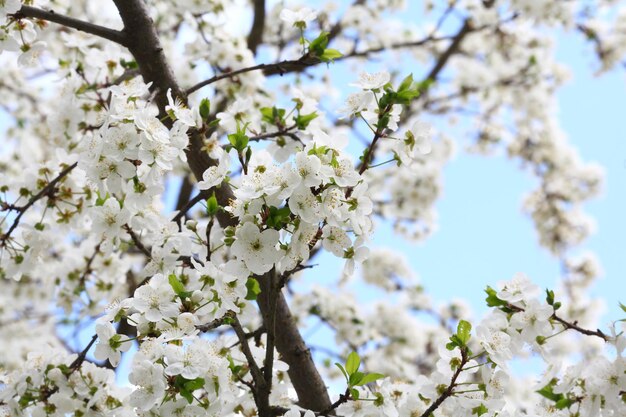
column 261, row 390
column 255, row 37
column 83, row 354
column 50, row 16
column 574, row 326
column 202, row 195
column 138, row 243
column 449, row 390
column 47, row 190
column 452, row 48
column 145, row 46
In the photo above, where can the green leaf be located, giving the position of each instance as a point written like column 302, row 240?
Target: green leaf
column 318, row 45
column 194, row 384
column 370, row 378
column 623, row 307
column 492, row 299
column 343, row 371
column 254, row 289
column 205, row 108
column 100, row 200
column 177, row 286
column 273, row 115
column 212, row 207
column 355, row 378
column 129, row 64
column 463, row 331
column 352, row 363
column 480, row 410
column 405, row 97
column 278, row 217
column 213, row 123
column 186, row 387
column 239, row 140
column 547, row 391
column 549, row 297
column 406, row 83
column 303, row 120
column 330, row 55
column 354, row 393
column 564, row 403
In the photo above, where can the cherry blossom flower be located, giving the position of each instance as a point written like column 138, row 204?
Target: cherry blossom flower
column 372, row 81
column 110, row 344
column 155, row 300
column 298, row 18
column 257, row 249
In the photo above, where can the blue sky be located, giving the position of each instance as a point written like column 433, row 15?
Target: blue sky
column 483, row 235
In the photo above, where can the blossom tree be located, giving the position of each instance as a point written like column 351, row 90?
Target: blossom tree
column 108, row 106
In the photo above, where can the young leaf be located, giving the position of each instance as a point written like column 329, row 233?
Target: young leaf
column 406, row 83
column 205, row 108
column 330, row 55
column 354, row 393
column 463, row 331
column 343, row 371
column 355, row 378
column 177, row 286
column 254, row 289
column 492, row 299
column 352, row 363
column 303, row 120
column 370, row 378
column 212, row 207
column 318, row 45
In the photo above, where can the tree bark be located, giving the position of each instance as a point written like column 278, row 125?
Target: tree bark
column 143, row 42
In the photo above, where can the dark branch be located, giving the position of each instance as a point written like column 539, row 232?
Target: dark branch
column 204, row 194
column 255, row 37
column 82, row 355
column 449, row 390
column 50, row 16
column 48, row 190
column 138, row 242
column 574, row 326
column 451, row 50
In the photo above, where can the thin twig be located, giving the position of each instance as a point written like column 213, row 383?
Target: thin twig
column 50, row 16
column 47, row 190
column 83, row 354
column 449, row 390
column 137, row 241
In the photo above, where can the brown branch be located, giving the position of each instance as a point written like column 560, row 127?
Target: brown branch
column 270, row 326
column 575, row 326
column 214, row 324
column 302, row 62
column 311, row 389
column 277, row 134
column 449, row 390
column 260, row 390
column 48, row 190
column 83, row 354
column 451, row 50
column 146, row 48
column 184, row 193
column 50, row 16
column 255, row 37
column 203, row 194
column 343, row 398
column 138, row 242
